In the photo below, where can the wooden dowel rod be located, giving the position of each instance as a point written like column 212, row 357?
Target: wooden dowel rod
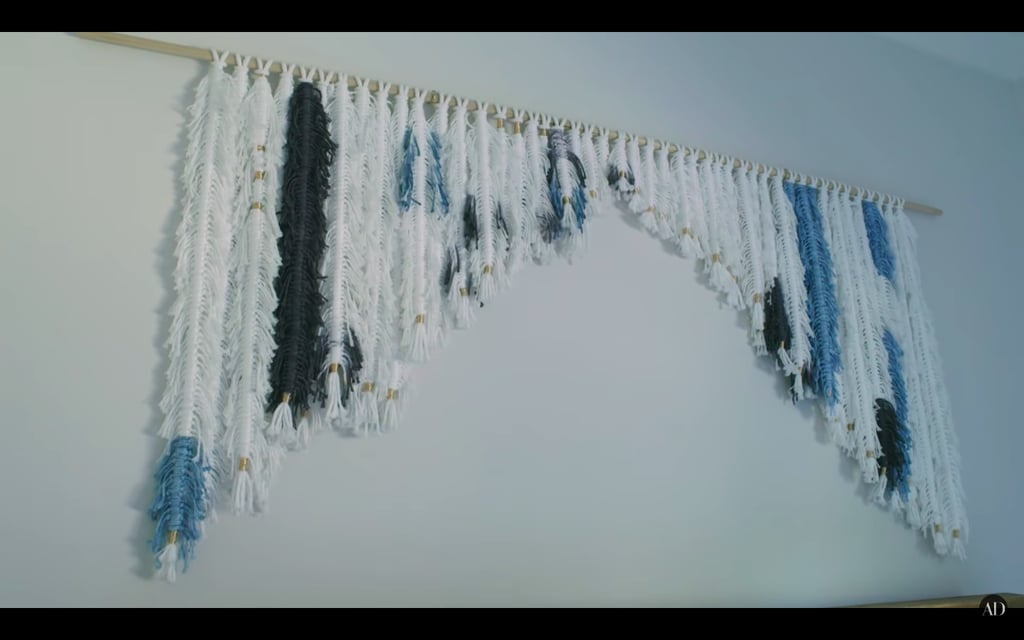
column 198, row 53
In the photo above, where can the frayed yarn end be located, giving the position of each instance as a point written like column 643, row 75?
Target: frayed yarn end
column 167, row 563
column 367, row 415
column 390, row 414
column 282, row 426
column 243, row 494
column 419, row 350
column 334, row 409
column 488, row 285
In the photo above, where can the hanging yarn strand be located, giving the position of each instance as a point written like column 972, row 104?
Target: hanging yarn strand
column 191, row 401
column 691, row 208
column 567, row 184
column 644, row 200
column 460, row 239
column 309, row 152
column 250, row 329
column 344, row 355
column 546, row 224
column 499, row 154
column 520, row 219
column 379, row 202
column 950, row 529
column 481, row 175
column 752, row 280
column 597, row 184
column 667, row 198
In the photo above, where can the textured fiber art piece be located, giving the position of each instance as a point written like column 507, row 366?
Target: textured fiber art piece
column 333, row 234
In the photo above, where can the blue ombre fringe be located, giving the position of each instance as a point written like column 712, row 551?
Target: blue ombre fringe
column 181, row 501
column 580, row 197
column 822, row 306
column 556, row 194
column 899, row 393
column 435, row 177
column 878, row 240
column 436, row 192
column 410, row 151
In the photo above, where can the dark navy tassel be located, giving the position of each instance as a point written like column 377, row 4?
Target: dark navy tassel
column 470, row 228
column 894, row 439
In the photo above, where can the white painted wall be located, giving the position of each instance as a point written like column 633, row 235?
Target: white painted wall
column 601, row 437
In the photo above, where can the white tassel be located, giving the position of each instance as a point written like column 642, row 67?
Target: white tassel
column 390, row 414
column 488, row 284
column 722, row 281
column 878, row 494
column 839, row 433
column 334, row 408
column 940, row 542
column 789, row 367
column 390, row 411
column 243, row 492
column 464, row 311
column 366, row 410
column 281, row 424
column 167, row 561
column 310, row 424
column 419, row 350
column 914, row 510
column 959, row 548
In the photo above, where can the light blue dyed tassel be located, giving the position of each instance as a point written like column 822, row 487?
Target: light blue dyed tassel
column 819, row 279
column 435, row 177
column 181, row 501
column 410, row 151
column 878, row 240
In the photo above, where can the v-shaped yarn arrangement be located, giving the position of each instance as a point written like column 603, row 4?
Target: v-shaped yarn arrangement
column 332, row 236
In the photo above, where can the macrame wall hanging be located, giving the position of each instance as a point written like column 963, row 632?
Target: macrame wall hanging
column 335, row 231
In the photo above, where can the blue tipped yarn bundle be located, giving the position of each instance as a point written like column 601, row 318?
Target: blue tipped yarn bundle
column 181, row 504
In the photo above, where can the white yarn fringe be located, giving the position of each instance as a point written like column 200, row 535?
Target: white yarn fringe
column 167, row 560
column 334, row 407
column 281, row 424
